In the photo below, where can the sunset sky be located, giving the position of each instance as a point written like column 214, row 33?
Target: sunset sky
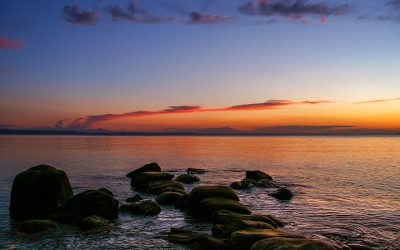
column 170, row 65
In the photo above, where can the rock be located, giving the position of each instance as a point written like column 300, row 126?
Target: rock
column 106, row 191
column 257, row 175
column 187, row 178
column 200, row 193
column 184, row 202
column 142, row 180
column 207, row 207
column 195, row 240
column 91, row 202
column 278, row 243
column 134, row 198
column 169, row 198
column 225, row 230
column 159, row 187
column 38, row 192
column 36, row 226
column 151, row 167
column 195, row 171
column 356, row 246
column 224, row 216
column 244, row 239
column 282, row 194
column 93, row 222
column 145, row 207
column 243, row 184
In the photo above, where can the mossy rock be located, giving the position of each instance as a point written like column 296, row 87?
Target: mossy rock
column 243, row 184
column 207, row 207
column 257, row 175
column 282, row 243
column 142, row 180
column 169, row 198
column 159, row 187
column 282, row 194
column 187, row 178
column 144, row 207
column 195, row 171
column 151, row 167
column 91, row 202
column 36, row 226
column 38, row 192
column 224, row 216
column 200, row 193
column 225, row 230
column 93, row 222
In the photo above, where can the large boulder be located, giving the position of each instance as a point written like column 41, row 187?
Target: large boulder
column 36, row 226
column 169, row 198
column 38, row 192
column 207, row 207
column 159, row 187
column 91, row 202
column 224, row 216
column 282, row 194
column 142, row 180
column 282, row 243
column 151, row 167
column 200, row 193
column 93, row 222
column 257, row 175
column 225, row 230
column 187, row 178
column 145, row 207
column 195, row 171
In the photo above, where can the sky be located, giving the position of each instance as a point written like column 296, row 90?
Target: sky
column 173, row 65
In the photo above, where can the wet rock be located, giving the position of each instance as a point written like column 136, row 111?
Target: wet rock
column 93, row 222
column 134, row 198
column 207, row 207
column 195, row 171
column 243, row 184
column 225, row 230
column 282, row 194
column 187, row 178
column 244, row 239
column 195, row 240
column 224, row 216
column 106, row 191
column 151, row 167
column 91, row 202
column 145, row 207
column 200, row 193
column 290, row 243
column 356, row 246
column 141, row 181
column 38, row 192
column 169, row 198
column 36, row 226
column 257, row 175
column 159, row 187
column 184, row 202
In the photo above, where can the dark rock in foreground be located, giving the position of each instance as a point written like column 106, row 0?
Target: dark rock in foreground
column 195, row 240
column 93, row 222
column 159, row 187
column 224, row 216
column 36, row 226
column 145, row 207
column 91, row 202
column 169, row 198
column 243, row 184
column 257, row 175
column 282, row 194
column 151, row 167
column 38, row 192
column 204, row 192
column 195, row 171
column 290, row 243
column 225, row 230
column 134, row 198
column 142, row 180
column 187, row 178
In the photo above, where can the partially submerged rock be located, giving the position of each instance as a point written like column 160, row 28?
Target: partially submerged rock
column 169, row 198
column 38, row 192
column 135, row 198
column 225, row 230
column 159, row 187
column 204, row 192
column 282, row 194
column 36, row 226
column 145, row 207
column 141, row 181
column 243, row 184
column 257, row 175
column 93, row 222
column 224, row 216
column 208, row 206
column 91, row 202
column 106, row 191
column 151, row 167
column 187, row 178
column 277, row 243
column 195, row 171
column 195, row 240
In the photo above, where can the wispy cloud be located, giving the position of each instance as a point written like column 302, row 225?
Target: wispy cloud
column 7, row 43
column 201, row 18
column 378, row 100
column 73, row 14
column 87, row 122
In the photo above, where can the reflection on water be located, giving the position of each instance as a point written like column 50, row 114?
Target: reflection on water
column 346, row 189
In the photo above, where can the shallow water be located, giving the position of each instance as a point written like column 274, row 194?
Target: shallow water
column 347, row 189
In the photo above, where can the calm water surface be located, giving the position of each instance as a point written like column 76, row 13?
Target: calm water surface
column 347, row 189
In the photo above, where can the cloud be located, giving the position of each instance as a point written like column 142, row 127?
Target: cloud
column 199, row 18
column 298, row 10
column 86, row 122
column 6, row 126
column 378, row 100
column 6, row 43
column 394, row 3
column 133, row 14
column 73, row 14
